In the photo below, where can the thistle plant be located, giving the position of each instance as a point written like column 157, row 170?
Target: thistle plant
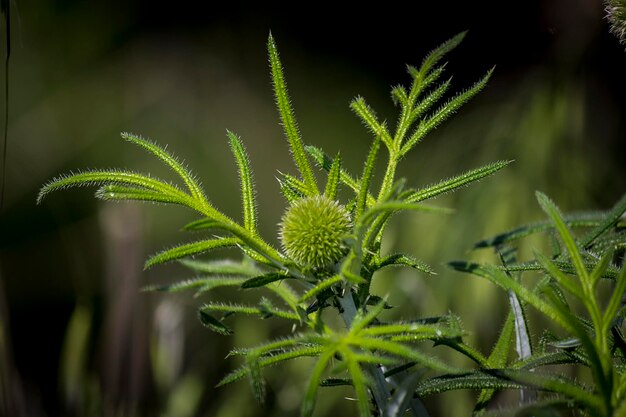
column 331, row 250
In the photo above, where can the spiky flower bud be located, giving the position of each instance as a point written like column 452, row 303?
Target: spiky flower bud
column 616, row 15
column 312, row 231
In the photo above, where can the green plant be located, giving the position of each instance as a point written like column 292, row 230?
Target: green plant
column 331, row 250
column 571, row 294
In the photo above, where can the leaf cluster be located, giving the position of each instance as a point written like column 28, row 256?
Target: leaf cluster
column 370, row 355
column 588, row 325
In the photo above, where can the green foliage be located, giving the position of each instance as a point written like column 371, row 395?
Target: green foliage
column 331, row 254
column 568, row 294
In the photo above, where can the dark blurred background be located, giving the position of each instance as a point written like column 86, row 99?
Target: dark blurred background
column 78, row 337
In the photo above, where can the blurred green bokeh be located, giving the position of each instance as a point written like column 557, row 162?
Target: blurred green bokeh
column 77, row 335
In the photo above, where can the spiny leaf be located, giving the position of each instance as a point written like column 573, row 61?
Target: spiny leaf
column 201, row 284
column 473, row 380
column 427, row 102
column 616, row 298
column 247, row 184
column 456, row 182
column 566, row 282
column 256, row 379
column 293, row 186
column 189, row 249
column 403, row 260
column 262, row 280
column 610, row 219
column 308, row 403
column 272, row 360
column 557, row 218
column 171, row 161
column 114, row 192
column 334, row 174
column 288, row 119
column 366, row 178
column 367, row 115
column 320, row 287
column 402, row 351
column 264, row 310
column 566, row 267
column 444, row 112
column 280, row 345
column 583, row 219
column 214, row 324
column 91, row 178
column 359, row 382
column 326, row 162
column 202, row 224
column 222, row 267
column 399, row 96
column 438, row 53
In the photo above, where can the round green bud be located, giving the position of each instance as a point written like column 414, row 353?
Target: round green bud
column 312, row 231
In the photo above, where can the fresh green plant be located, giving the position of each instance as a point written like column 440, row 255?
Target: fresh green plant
column 570, row 294
column 331, row 250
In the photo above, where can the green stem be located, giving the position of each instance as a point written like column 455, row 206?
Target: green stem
column 390, row 174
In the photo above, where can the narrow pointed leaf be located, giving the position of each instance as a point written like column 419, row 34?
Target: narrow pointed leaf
column 222, row 267
column 616, row 298
column 359, row 382
column 366, row 114
column 171, row 161
column 116, row 192
column 332, row 183
column 256, row 379
column 610, row 220
column 438, row 53
column 326, row 162
column 308, row 404
column 202, row 285
column 262, row 280
column 399, row 259
column 272, row 360
column 566, row 282
column 427, row 102
column 443, row 113
column 265, row 310
column 566, row 236
column 206, row 223
column 91, row 178
column 320, row 287
column 456, row 182
column 214, row 324
column 366, row 178
column 247, row 184
column 189, row 249
column 572, row 220
column 399, row 96
column 288, row 119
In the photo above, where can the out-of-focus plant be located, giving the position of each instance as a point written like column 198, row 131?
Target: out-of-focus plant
column 330, row 251
column 572, row 293
column 616, row 15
